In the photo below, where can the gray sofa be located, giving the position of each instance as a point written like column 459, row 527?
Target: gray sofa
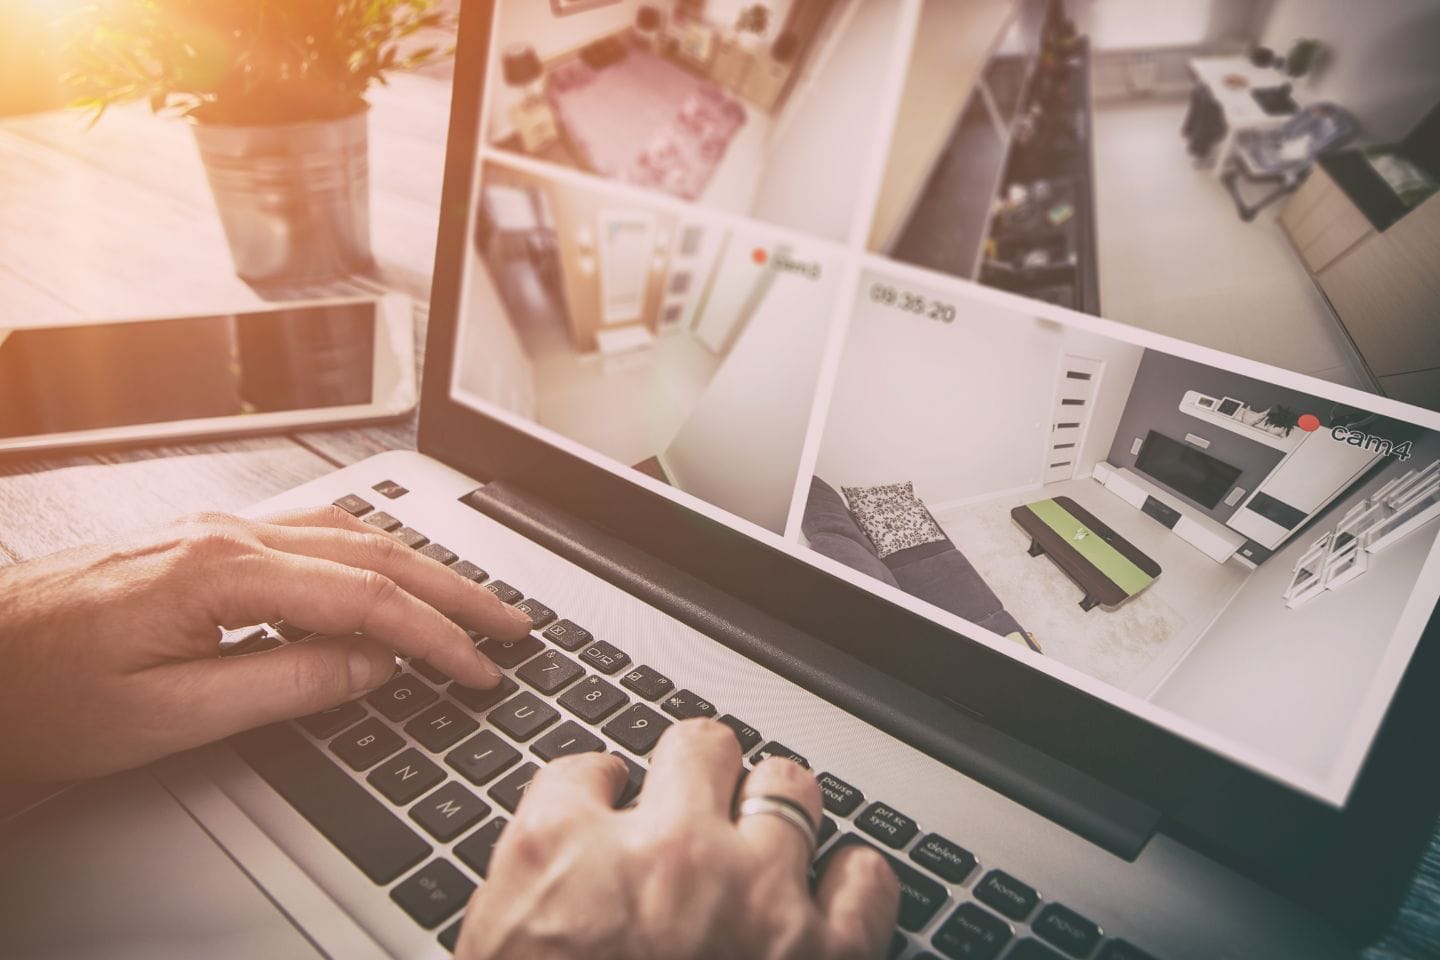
column 934, row 572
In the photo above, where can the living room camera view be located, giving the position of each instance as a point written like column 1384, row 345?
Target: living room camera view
column 672, row 344
column 1232, row 550
column 1257, row 176
column 758, row 108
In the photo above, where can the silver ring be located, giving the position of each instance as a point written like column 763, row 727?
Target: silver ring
column 787, row 810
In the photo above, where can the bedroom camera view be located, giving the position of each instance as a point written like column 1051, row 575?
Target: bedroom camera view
column 1231, row 550
column 1256, row 177
column 752, row 108
column 667, row 342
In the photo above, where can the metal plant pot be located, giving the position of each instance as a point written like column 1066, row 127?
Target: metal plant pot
column 294, row 198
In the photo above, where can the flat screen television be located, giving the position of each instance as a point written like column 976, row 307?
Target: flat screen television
column 1185, row 470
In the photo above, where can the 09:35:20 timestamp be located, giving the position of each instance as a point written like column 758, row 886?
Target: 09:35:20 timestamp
column 889, row 296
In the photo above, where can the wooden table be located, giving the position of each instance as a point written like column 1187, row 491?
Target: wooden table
column 118, row 221
column 1242, row 111
column 1099, row 588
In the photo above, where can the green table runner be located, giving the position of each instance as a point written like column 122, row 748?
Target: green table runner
column 1105, row 558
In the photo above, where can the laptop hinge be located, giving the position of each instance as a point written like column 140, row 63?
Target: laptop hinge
column 1071, row 798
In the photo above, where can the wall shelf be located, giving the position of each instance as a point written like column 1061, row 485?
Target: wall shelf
column 1190, row 404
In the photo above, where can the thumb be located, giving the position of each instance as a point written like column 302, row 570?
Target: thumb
column 223, row 696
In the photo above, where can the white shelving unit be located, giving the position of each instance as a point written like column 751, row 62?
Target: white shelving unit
column 1202, row 407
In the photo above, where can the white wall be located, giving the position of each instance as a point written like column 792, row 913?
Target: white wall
column 531, row 22
column 740, row 449
column 822, row 145
column 493, row 364
column 1382, row 57
column 1289, row 682
column 963, row 409
column 1145, row 24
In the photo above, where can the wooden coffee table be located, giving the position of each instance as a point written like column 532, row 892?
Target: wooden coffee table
column 1106, row 566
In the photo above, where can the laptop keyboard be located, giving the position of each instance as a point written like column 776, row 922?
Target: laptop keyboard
column 415, row 783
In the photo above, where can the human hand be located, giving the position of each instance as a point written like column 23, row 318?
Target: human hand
column 110, row 653
column 675, row 876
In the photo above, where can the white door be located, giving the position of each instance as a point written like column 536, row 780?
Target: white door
column 693, row 252
column 626, row 248
column 1074, row 396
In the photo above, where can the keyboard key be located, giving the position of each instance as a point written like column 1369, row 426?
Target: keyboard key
column 971, row 934
column 1121, row 950
column 648, row 682
column 549, row 672
column 504, row 591
column 897, row 946
column 1028, row 949
column 687, row 704
column 366, row 744
column 482, row 757
column 383, row 521
column 389, row 489
column 237, row 643
column 450, row 937
column 637, row 729
column 442, row 726
column 353, row 505
column 433, row 893
column 827, row 830
column 327, row 723
column 480, row 700
column 469, row 571
column 567, row 634
column 886, row 824
column 539, row 614
column 593, row 699
column 405, row 776
column 428, row 672
column 438, row 553
column 746, row 734
column 510, row 653
column 1066, row 929
column 777, row 749
column 920, row 897
column 509, row 791
column 566, row 739
column 840, row 798
column 605, row 657
column 950, row 860
column 1006, row 894
column 633, row 784
column 523, row 716
column 449, row 811
column 402, row 697
column 355, row 821
column 475, row 850
column 411, row 537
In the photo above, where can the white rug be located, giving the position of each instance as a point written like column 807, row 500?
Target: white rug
column 1111, row 645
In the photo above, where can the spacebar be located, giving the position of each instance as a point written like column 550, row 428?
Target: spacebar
column 349, row 817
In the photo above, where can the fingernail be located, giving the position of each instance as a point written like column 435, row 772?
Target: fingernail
column 491, row 671
column 521, row 618
column 364, row 675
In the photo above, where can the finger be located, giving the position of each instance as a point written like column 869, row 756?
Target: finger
column 693, row 771
column 586, row 783
column 327, row 515
column 785, row 779
column 463, row 600
column 859, row 898
column 211, row 699
column 335, row 598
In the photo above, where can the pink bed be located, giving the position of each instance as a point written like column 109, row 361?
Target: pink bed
column 645, row 120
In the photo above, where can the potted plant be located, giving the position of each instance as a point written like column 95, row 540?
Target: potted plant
column 1281, row 419
column 753, row 23
column 275, row 93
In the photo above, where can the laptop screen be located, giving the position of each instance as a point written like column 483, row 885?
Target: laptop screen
column 927, row 295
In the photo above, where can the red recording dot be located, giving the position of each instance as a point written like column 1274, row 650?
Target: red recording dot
column 1309, row 422
column 759, row 256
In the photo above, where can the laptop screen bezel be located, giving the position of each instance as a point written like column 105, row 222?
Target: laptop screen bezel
column 1184, row 781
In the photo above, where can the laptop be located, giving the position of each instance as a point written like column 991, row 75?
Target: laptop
column 1115, row 645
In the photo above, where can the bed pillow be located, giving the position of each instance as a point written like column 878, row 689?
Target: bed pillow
column 892, row 517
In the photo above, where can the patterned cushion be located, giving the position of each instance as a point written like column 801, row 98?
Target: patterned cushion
column 892, row 517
